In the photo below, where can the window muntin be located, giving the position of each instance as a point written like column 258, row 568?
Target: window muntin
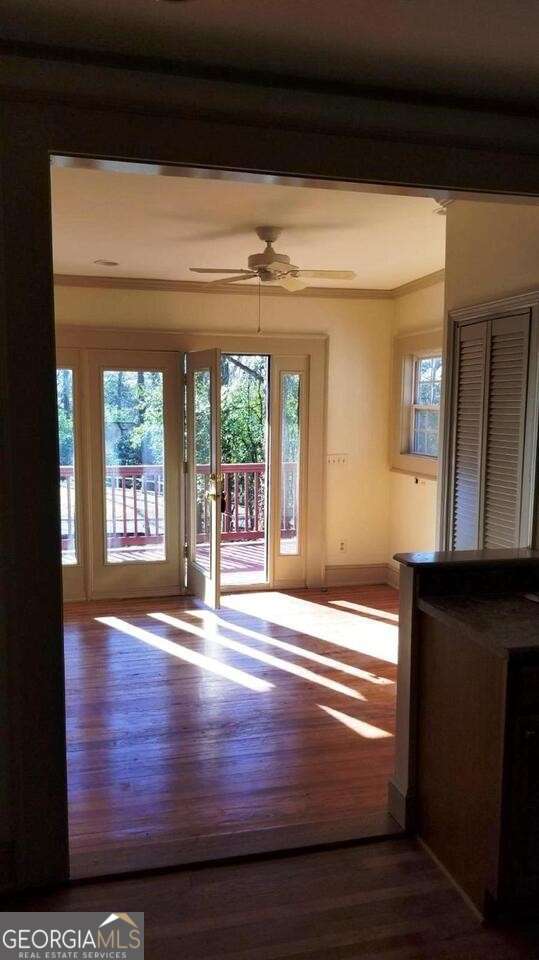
column 425, row 420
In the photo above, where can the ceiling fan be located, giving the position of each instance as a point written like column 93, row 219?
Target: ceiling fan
column 272, row 267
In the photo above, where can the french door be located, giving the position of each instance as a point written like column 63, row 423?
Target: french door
column 135, row 418
column 143, row 516
column 204, row 487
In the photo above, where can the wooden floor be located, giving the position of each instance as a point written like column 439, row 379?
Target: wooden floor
column 197, row 735
column 380, row 901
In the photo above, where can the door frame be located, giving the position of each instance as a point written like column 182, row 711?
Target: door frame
column 207, row 586
column 74, row 577
column 139, row 127
column 158, row 577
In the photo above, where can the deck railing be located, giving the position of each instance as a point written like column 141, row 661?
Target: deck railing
column 135, row 509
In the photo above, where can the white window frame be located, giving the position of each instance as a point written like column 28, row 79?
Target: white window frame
column 422, row 407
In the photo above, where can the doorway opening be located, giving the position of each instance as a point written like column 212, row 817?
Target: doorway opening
column 255, row 709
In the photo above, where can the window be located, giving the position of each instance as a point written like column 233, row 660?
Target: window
column 425, row 420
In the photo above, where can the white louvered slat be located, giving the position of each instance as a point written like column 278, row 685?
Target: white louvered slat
column 468, row 428
column 506, row 412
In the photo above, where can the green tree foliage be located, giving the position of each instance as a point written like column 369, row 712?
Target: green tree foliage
column 133, row 416
column 133, row 413
column 64, row 391
column 290, row 419
column 243, row 408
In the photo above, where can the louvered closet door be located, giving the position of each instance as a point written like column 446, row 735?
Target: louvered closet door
column 468, row 427
column 505, row 430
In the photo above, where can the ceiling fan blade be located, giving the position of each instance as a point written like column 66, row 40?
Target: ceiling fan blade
column 327, row 274
column 242, row 276
column 291, row 283
column 212, row 270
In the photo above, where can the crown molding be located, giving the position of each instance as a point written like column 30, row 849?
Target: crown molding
column 429, row 280
column 197, row 286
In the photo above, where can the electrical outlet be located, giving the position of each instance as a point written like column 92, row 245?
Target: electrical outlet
column 338, row 459
column 342, row 546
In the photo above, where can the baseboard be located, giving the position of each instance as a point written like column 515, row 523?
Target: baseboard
column 132, row 593
column 393, row 576
column 454, row 883
column 360, row 574
column 400, row 807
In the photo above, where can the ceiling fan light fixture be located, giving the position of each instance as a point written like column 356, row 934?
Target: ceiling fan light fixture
column 274, row 268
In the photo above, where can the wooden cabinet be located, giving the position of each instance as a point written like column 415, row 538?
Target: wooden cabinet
column 521, row 838
column 473, row 748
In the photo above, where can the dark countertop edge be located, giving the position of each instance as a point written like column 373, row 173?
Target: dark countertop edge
column 430, row 607
column 476, row 558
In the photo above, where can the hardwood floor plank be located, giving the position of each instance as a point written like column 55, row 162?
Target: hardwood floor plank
column 167, row 758
column 381, row 901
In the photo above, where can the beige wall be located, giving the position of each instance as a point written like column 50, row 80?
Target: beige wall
column 412, row 516
column 359, row 362
column 422, row 309
column 492, row 251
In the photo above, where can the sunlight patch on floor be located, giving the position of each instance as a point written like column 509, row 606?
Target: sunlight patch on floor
column 366, row 611
column 212, row 620
column 340, row 627
column 287, row 666
column 190, row 656
column 366, row 730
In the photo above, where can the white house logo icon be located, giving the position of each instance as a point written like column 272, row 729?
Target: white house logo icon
column 118, row 916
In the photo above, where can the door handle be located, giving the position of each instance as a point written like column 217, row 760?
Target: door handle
column 215, row 491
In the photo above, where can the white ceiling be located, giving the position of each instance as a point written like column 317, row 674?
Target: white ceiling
column 157, row 227
column 485, row 48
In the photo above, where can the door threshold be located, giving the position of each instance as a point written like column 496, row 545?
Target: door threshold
column 160, row 855
column 264, row 585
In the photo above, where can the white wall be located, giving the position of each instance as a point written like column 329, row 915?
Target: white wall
column 412, row 517
column 359, row 362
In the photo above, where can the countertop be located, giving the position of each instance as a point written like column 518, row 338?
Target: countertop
column 507, row 625
column 448, row 558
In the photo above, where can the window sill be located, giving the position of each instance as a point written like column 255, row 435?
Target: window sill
column 414, row 473
column 416, row 465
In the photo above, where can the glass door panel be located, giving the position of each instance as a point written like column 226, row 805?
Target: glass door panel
column 135, row 415
column 290, row 459
column 244, row 465
column 135, row 504
column 202, row 458
column 66, row 448
column 70, row 476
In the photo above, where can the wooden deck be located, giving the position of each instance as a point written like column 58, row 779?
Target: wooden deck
column 241, row 563
column 194, row 735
